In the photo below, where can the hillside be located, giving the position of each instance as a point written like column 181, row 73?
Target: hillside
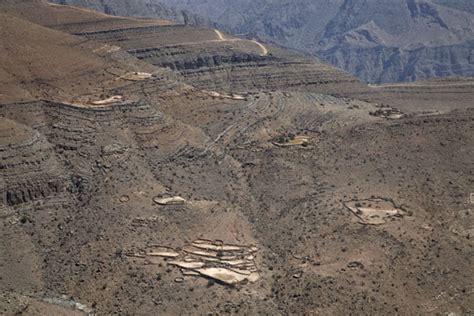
column 41, row 63
column 377, row 41
column 153, row 168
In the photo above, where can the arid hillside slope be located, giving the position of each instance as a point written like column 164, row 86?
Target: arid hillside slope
column 375, row 40
column 149, row 168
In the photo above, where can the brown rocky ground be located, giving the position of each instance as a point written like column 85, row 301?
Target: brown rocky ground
column 80, row 173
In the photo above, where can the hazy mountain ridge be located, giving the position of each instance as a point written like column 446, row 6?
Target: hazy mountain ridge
column 419, row 40
column 458, row 4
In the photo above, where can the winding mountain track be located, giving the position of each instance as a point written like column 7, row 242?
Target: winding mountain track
column 264, row 49
column 222, row 38
column 220, row 35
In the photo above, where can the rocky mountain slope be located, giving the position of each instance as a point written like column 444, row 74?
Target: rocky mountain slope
column 151, row 168
column 378, row 41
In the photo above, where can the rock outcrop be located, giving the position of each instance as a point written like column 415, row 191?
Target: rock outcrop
column 29, row 168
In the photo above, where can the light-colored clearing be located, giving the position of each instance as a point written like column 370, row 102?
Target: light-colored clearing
column 216, row 247
column 226, row 263
column 296, row 141
column 113, row 99
column 187, row 265
column 231, row 96
column 225, row 275
column 165, row 254
column 136, row 76
column 176, row 200
column 374, row 212
column 299, row 140
column 106, row 49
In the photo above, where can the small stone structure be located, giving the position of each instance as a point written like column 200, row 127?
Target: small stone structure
column 375, row 211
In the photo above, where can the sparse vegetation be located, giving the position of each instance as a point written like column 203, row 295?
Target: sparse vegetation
column 85, row 207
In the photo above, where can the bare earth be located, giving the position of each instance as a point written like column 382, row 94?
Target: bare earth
column 148, row 168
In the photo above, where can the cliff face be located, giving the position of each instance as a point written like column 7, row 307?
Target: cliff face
column 399, row 40
column 391, row 64
column 378, row 41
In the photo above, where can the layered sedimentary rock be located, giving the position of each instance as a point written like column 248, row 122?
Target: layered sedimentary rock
column 143, row 194
column 209, row 59
column 29, row 167
column 377, row 41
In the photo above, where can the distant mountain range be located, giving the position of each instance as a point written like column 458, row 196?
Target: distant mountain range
column 376, row 40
